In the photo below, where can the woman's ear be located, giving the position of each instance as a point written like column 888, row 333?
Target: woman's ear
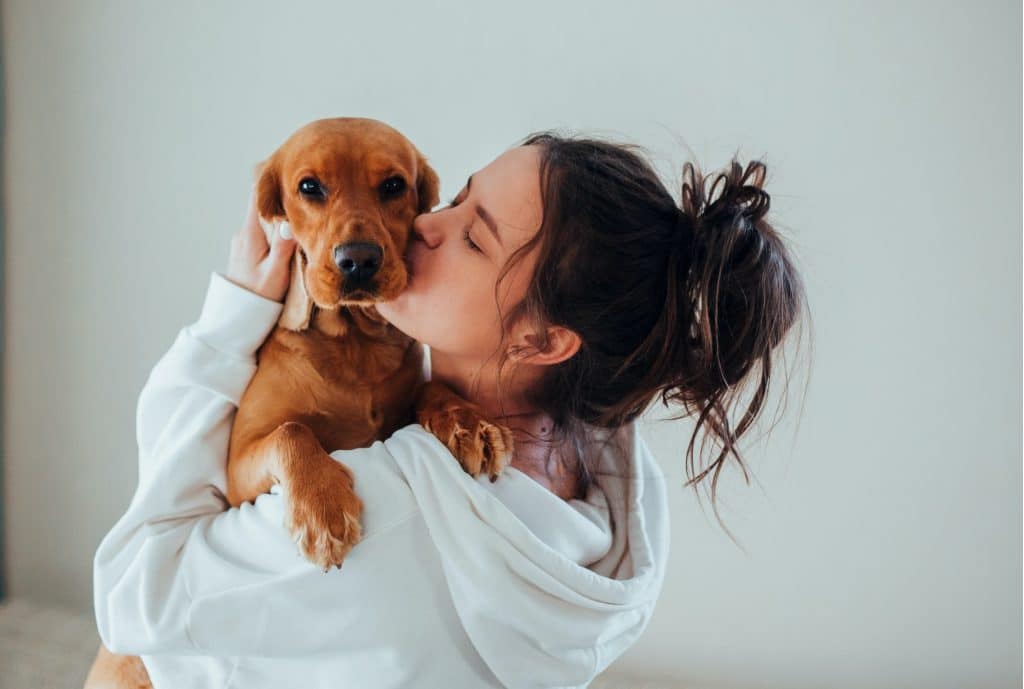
column 563, row 343
column 427, row 186
column 268, row 190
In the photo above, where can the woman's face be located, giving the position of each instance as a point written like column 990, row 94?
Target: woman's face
column 456, row 253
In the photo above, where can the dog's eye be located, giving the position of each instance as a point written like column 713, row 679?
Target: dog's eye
column 311, row 187
column 392, row 186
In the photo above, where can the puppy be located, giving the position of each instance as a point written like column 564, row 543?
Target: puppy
column 334, row 374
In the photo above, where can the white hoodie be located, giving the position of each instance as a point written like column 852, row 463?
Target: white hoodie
column 457, row 582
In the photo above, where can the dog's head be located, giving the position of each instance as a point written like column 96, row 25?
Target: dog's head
column 349, row 188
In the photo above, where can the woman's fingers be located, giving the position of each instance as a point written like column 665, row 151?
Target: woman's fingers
column 260, row 263
column 282, row 246
column 275, row 269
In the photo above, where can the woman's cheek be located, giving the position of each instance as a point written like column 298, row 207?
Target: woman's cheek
column 465, row 312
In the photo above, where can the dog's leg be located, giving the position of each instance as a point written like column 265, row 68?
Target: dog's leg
column 323, row 509
column 111, row 671
column 248, row 474
column 479, row 445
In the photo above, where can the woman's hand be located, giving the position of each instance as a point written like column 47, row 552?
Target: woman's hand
column 255, row 265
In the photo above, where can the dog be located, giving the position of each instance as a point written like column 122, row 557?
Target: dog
column 334, row 374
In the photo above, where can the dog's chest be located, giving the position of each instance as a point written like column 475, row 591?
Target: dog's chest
column 352, row 390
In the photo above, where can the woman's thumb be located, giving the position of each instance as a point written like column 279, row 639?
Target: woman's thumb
column 283, row 245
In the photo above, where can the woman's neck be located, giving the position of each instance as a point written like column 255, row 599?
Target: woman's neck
column 553, row 465
column 478, row 383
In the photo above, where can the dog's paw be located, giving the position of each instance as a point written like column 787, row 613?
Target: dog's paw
column 323, row 513
column 479, row 445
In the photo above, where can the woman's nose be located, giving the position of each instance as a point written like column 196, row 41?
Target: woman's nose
column 425, row 227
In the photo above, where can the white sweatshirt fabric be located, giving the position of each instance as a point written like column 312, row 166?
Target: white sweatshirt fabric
column 457, row 582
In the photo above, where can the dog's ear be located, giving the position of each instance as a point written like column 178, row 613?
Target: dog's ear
column 427, row 186
column 268, row 190
column 298, row 307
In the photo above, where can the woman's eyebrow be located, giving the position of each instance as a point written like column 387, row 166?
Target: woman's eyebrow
column 485, row 216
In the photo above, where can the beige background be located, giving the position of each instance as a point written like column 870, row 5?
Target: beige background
column 882, row 533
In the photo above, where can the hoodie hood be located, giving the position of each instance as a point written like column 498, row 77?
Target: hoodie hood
column 550, row 592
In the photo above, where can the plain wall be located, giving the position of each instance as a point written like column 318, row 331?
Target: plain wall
column 882, row 528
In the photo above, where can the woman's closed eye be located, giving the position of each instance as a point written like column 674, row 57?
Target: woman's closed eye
column 465, row 233
column 469, row 242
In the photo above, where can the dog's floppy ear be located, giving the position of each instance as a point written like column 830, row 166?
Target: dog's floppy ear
column 298, row 307
column 268, row 190
column 427, row 186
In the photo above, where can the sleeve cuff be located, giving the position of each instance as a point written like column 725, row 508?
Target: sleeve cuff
column 235, row 320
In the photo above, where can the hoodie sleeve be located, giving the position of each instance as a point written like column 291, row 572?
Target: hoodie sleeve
column 182, row 573
column 183, row 423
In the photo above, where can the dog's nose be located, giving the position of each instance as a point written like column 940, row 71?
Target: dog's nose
column 358, row 260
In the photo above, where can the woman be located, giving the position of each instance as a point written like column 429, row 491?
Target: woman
column 562, row 290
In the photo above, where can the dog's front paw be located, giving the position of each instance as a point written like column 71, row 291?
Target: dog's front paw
column 323, row 513
column 479, row 445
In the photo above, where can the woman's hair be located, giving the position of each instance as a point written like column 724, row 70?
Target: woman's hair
column 673, row 300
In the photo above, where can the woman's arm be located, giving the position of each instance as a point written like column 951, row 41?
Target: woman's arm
column 180, row 573
column 183, row 422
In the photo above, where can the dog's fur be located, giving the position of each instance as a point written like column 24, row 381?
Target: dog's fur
column 334, row 374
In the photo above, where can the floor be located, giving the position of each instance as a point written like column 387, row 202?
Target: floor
column 44, row 648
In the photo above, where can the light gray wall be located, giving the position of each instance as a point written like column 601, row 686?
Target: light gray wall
column 3, row 338
column 882, row 533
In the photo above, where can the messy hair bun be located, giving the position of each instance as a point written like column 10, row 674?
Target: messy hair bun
column 723, row 254
column 742, row 295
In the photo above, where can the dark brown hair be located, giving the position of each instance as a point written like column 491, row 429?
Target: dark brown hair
column 678, row 301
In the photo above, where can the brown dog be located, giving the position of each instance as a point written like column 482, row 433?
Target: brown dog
column 334, row 374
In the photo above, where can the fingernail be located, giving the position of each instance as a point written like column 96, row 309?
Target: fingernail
column 285, row 230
